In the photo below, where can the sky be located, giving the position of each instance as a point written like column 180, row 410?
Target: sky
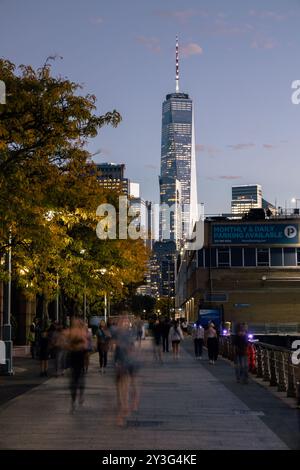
column 238, row 60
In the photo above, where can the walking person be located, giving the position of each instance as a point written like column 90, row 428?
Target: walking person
column 157, row 341
column 139, row 327
column 198, row 338
column 127, row 367
column 175, row 336
column 44, row 352
column 240, row 342
column 77, row 345
column 59, row 350
column 103, row 342
column 212, row 343
column 165, row 334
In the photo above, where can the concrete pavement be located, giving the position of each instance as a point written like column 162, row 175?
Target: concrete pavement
column 184, row 405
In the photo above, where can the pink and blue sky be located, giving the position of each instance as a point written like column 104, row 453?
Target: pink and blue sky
column 238, row 60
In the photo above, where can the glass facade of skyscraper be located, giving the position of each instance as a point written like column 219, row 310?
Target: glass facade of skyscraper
column 178, row 163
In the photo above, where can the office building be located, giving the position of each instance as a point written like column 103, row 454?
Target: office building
column 246, row 197
column 178, row 164
column 111, row 177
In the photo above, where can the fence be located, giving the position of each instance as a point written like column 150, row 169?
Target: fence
column 271, row 363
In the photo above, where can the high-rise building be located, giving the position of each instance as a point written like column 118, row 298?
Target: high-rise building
column 111, row 177
column 177, row 180
column 246, row 197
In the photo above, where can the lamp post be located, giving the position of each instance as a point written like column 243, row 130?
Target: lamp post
column 7, row 315
column 57, row 300
column 295, row 200
column 82, row 252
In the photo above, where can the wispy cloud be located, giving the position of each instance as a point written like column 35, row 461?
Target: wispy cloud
column 181, row 15
column 209, row 149
column 262, row 42
column 222, row 27
column 230, row 177
column 191, row 49
column 150, row 43
column 269, row 14
column 96, row 20
column 269, row 146
column 241, row 146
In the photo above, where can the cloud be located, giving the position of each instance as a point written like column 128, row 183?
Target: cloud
column 269, row 14
column 222, row 27
column 150, row 43
column 210, row 149
column 261, row 42
column 191, row 49
column 230, row 177
column 241, row 146
column 269, row 146
column 181, row 15
column 96, row 20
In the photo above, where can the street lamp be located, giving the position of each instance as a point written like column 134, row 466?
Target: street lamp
column 82, row 252
column 103, row 271
column 294, row 200
column 7, row 314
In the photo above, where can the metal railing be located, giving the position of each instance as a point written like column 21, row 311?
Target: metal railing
column 270, row 363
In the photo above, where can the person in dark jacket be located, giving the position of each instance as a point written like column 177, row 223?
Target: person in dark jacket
column 240, row 342
column 165, row 328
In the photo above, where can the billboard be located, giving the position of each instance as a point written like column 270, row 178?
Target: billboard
column 246, row 233
column 205, row 316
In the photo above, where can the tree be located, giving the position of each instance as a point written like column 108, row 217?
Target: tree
column 49, row 191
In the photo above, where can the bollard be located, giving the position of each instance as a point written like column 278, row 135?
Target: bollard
column 273, row 378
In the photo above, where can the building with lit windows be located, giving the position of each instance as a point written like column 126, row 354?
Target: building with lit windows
column 246, row 197
column 178, row 164
column 247, row 270
column 111, row 177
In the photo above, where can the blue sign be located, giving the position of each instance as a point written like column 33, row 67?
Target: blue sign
column 269, row 233
column 208, row 315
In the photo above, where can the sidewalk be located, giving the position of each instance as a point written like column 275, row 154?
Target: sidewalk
column 183, row 406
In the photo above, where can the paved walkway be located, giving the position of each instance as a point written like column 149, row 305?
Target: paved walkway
column 184, row 405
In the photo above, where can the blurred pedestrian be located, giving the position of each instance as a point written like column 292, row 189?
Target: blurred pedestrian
column 127, row 366
column 77, row 345
column 157, row 340
column 44, row 352
column 89, row 349
column 212, row 343
column 175, row 336
column 103, row 343
column 165, row 334
column 240, row 342
column 58, row 345
column 198, row 338
column 139, row 328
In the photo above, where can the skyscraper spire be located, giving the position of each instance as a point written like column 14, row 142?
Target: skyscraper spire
column 177, row 67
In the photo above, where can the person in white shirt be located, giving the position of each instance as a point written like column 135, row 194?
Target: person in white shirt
column 175, row 336
column 198, row 337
